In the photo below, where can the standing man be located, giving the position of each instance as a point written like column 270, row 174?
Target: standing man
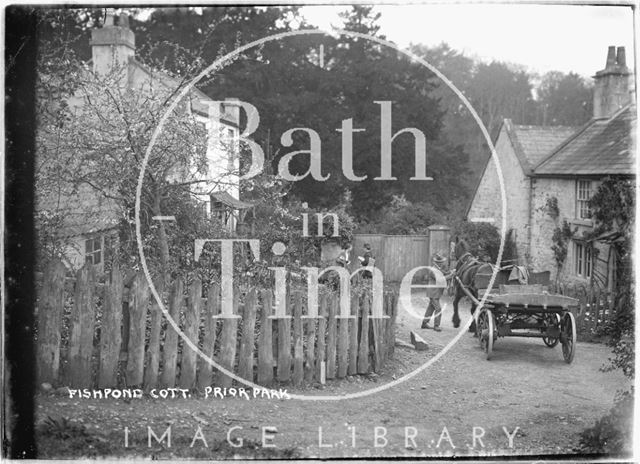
column 367, row 260
column 434, row 310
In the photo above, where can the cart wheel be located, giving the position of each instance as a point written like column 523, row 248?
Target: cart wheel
column 552, row 341
column 568, row 337
column 486, row 332
column 480, row 325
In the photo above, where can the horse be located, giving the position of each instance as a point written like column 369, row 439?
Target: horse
column 468, row 268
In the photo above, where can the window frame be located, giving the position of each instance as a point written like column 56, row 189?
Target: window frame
column 584, row 192
column 90, row 255
column 582, row 259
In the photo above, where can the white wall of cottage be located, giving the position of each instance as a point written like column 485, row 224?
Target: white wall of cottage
column 487, row 202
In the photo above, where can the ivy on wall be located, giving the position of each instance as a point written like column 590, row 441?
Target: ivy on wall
column 561, row 238
column 552, row 208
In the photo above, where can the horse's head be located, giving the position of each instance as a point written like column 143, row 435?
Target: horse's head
column 461, row 248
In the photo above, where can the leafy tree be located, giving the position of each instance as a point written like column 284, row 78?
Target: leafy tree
column 354, row 75
column 613, row 207
column 564, row 100
column 483, row 240
column 500, row 91
column 93, row 131
column 402, row 217
column 458, row 124
column 496, row 91
column 364, row 72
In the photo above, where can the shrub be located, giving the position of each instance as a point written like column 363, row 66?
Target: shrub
column 613, row 208
column 402, row 217
column 612, row 434
column 484, row 241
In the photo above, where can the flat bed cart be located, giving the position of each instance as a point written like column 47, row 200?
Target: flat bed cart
column 527, row 314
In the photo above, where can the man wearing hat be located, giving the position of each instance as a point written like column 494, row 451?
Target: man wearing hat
column 433, row 309
column 367, row 260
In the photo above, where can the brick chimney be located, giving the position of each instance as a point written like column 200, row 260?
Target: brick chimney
column 612, row 90
column 112, row 45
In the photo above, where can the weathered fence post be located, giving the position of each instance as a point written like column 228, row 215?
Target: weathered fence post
column 110, row 332
column 228, row 336
column 353, row 334
column 331, row 336
column 391, row 304
column 363, row 351
column 212, row 308
column 170, row 347
column 265, row 342
column 82, row 323
column 138, row 305
column 343, row 344
column 378, row 342
column 50, row 322
column 322, row 333
column 245, row 360
column 310, row 363
column 298, row 354
column 191, row 326
column 152, row 356
column 284, row 344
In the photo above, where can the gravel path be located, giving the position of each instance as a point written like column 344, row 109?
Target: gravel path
column 526, row 392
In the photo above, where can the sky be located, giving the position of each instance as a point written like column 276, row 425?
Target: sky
column 542, row 38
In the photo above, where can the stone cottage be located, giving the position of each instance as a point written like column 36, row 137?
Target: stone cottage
column 550, row 173
column 89, row 220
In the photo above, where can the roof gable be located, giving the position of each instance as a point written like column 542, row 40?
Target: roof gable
column 196, row 96
column 82, row 210
column 602, row 147
column 533, row 143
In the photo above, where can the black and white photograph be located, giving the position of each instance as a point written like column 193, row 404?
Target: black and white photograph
column 311, row 231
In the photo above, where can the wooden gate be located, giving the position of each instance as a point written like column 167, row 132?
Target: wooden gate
column 396, row 255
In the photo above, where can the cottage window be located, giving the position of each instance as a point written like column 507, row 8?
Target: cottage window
column 583, row 262
column 219, row 211
column 583, row 195
column 93, row 250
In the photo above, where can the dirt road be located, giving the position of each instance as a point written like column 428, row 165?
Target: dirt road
column 526, row 400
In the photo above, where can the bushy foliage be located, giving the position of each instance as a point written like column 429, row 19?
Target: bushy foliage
column 613, row 207
column 483, row 240
column 402, row 217
column 561, row 238
column 613, row 433
column 278, row 220
column 623, row 356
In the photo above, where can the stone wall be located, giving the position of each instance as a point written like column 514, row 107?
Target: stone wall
column 544, row 224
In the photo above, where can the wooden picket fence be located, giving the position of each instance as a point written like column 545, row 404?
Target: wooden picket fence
column 597, row 308
column 118, row 337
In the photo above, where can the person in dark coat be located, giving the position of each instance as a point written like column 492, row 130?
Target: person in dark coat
column 367, row 260
column 434, row 310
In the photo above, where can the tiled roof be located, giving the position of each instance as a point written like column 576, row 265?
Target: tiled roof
column 533, row 143
column 196, row 96
column 227, row 199
column 538, row 141
column 602, row 147
column 82, row 210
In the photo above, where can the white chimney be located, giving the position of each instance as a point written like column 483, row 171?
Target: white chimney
column 612, row 92
column 111, row 45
